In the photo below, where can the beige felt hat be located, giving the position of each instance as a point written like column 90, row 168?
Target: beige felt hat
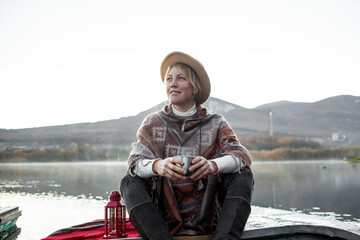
column 179, row 57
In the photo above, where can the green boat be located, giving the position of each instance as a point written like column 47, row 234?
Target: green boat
column 8, row 219
column 352, row 159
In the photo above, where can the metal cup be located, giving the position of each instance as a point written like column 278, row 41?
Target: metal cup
column 187, row 163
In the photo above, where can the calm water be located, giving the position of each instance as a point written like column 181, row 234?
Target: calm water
column 57, row 195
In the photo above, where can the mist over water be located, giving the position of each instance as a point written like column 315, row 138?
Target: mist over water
column 74, row 193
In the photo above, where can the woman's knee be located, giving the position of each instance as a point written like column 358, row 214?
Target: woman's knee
column 135, row 190
column 246, row 175
column 240, row 184
column 125, row 184
column 132, row 184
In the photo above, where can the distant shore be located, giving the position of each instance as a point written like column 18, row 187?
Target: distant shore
column 306, row 154
column 261, row 148
column 279, row 154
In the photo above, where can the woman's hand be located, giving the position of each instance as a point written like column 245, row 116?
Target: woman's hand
column 168, row 168
column 202, row 167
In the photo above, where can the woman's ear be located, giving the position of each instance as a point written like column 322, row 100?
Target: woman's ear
column 195, row 91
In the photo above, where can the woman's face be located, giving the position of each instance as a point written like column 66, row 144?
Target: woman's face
column 179, row 90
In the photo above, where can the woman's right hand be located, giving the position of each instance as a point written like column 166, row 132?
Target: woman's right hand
column 167, row 168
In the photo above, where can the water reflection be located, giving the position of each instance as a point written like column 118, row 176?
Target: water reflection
column 317, row 187
column 43, row 213
column 328, row 188
column 92, row 180
column 46, row 213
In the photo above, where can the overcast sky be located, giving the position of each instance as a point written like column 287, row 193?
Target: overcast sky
column 72, row 61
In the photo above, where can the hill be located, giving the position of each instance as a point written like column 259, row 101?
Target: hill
column 332, row 121
column 333, row 116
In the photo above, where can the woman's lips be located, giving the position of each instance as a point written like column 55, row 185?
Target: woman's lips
column 174, row 92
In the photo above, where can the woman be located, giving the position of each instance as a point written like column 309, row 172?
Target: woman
column 161, row 199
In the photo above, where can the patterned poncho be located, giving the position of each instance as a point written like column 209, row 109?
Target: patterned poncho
column 188, row 207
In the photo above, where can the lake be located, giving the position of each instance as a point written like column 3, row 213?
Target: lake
column 58, row 195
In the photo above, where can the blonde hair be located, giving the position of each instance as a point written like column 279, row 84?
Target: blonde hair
column 190, row 74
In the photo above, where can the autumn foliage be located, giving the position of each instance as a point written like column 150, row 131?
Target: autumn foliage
column 261, row 148
column 278, row 148
column 85, row 152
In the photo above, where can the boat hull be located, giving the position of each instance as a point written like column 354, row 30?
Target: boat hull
column 300, row 232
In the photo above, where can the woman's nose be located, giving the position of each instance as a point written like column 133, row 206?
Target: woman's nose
column 173, row 83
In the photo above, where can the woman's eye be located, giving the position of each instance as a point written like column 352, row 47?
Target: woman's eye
column 168, row 79
column 182, row 78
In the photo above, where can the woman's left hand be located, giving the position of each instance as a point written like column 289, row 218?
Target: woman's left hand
column 202, row 167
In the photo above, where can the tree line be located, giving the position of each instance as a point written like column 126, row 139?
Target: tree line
column 84, row 152
column 261, row 148
column 285, row 148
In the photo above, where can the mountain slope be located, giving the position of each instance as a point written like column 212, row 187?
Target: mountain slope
column 331, row 115
column 318, row 120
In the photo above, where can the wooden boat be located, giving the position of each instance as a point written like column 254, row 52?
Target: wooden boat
column 298, row 232
column 8, row 218
column 301, row 232
column 285, row 232
column 264, row 223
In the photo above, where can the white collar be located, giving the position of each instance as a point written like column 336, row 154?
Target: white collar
column 188, row 113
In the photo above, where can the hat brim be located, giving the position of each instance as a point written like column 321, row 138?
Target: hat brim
column 179, row 57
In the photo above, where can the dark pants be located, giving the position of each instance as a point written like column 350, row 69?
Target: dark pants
column 136, row 190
